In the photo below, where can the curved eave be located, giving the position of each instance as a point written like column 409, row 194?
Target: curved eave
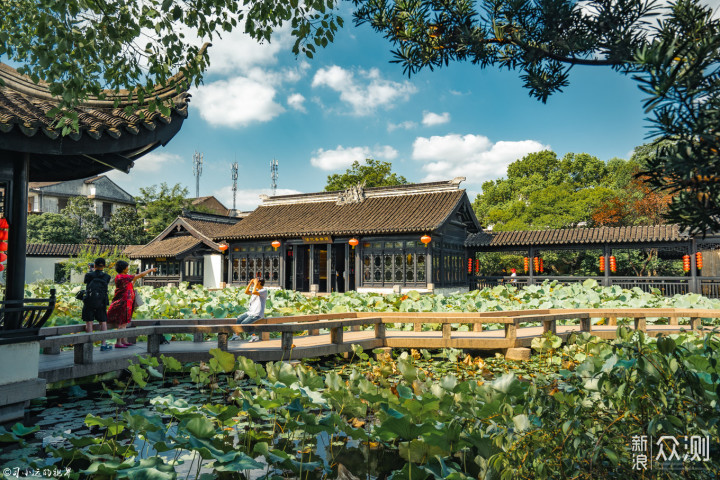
column 334, row 233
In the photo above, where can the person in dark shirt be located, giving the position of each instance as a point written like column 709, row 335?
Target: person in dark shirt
column 95, row 302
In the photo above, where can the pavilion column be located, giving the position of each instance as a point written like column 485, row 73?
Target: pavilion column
column 607, row 251
column 346, row 275
column 17, row 234
column 531, row 266
column 693, row 287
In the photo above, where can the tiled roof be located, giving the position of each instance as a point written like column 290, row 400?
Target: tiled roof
column 24, row 106
column 207, row 228
column 68, row 250
column 307, row 215
column 569, row 236
column 167, row 247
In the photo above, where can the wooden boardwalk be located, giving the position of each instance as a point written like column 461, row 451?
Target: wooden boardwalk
column 306, row 337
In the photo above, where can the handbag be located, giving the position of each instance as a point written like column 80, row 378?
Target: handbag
column 138, row 302
column 80, row 295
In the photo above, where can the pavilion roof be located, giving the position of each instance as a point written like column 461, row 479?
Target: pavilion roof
column 381, row 210
column 69, row 250
column 579, row 236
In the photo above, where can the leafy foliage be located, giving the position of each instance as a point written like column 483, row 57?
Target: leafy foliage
column 53, row 228
column 159, row 206
column 82, row 210
column 374, row 173
column 571, row 413
column 79, row 48
column 126, row 227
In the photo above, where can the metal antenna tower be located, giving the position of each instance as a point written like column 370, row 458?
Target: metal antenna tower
column 197, row 171
column 273, row 175
column 234, row 174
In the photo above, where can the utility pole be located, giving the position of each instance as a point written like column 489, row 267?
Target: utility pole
column 197, row 171
column 234, row 174
column 273, row 175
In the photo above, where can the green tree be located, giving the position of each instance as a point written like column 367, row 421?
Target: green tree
column 160, row 206
column 672, row 49
column 87, row 255
column 374, row 173
column 82, row 210
column 53, row 228
column 543, row 191
column 126, row 227
column 81, row 47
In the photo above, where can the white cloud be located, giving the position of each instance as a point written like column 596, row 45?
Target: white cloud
column 238, row 52
column 364, row 92
column 430, row 118
column 156, row 161
column 471, row 156
column 236, row 102
column 408, row 125
column 296, row 101
column 247, row 199
column 343, row 157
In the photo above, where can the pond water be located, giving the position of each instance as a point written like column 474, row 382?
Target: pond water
column 61, row 416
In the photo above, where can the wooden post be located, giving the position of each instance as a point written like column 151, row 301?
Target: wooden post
column 286, row 342
column 673, row 320
column 640, row 324
column 477, row 327
column 328, row 268
column 222, row 341
column 380, row 330
column 264, row 336
column 83, row 353
column 607, row 251
column 198, row 337
column 693, row 287
column 346, row 273
column 612, row 319
column 16, row 213
column 511, row 330
column 695, row 323
column 153, row 343
column 550, row 326
column 54, row 350
column 586, row 324
column 417, row 327
column 336, row 335
column 531, row 269
column 446, row 331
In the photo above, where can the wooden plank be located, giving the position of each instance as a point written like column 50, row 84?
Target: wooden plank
column 336, row 335
column 222, row 341
column 446, row 331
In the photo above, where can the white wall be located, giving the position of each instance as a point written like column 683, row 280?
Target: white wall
column 41, row 268
column 213, row 271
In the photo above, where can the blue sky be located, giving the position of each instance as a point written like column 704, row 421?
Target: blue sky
column 315, row 117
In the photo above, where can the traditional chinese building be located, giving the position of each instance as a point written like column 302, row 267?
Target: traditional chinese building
column 378, row 238
column 185, row 251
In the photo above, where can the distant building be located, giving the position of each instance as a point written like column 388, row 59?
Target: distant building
column 211, row 205
column 52, row 197
column 45, row 260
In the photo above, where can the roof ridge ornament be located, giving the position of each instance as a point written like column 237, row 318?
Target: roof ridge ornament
column 354, row 194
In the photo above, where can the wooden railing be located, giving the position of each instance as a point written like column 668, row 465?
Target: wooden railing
column 511, row 325
column 21, row 320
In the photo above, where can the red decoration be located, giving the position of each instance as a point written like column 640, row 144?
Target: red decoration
column 536, row 264
column 275, row 244
column 2, row 267
column 469, row 265
column 613, row 264
column 602, row 264
column 354, row 242
column 3, row 246
column 4, row 223
column 3, row 257
column 3, row 234
column 686, row 263
column 425, row 239
column 526, row 264
column 541, row 266
column 477, row 266
column 698, row 260
column 222, row 247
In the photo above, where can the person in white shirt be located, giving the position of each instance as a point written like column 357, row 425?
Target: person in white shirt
column 256, row 306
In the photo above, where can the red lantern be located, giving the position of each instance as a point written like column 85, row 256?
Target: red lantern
column 425, row 239
column 354, row 242
column 613, row 264
column 275, row 244
column 536, row 264
column 698, row 260
column 477, row 266
column 3, row 257
column 4, row 223
column 3, row 234
column 526, row 264
column 686, row 263
column 541, row 266
column 602, row 264
column 469, row 265
column 2, row 267
column 222, row 247
column 3, row 246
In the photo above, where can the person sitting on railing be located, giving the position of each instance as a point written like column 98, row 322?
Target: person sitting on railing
column 256, row 306
column 95, row 301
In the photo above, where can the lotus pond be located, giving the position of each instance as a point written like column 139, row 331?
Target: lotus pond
column 571, row 412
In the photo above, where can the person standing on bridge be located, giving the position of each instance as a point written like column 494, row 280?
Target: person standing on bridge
column 256, row 306
column 123, row 304
column 95, row 300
